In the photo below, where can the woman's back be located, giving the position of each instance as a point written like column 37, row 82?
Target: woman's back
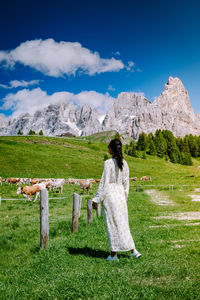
column 115, row 174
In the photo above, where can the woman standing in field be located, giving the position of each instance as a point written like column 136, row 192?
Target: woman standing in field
column 113, row 193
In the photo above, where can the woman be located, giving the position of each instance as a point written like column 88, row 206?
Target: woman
column 113, row 192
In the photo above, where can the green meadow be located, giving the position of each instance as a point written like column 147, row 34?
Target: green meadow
column 74, row 265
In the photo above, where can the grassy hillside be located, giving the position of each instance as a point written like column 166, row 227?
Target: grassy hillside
column 74, row 265
column 78, row 158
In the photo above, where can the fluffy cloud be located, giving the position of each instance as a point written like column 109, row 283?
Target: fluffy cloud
column 117, row 53
column 31, row 100
column 130, row 66
column 111, row 88
column 59, row 59
column 19, row 83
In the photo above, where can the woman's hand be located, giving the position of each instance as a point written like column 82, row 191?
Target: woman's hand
column 94, row 205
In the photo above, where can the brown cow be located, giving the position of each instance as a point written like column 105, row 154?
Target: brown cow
column 146, row 178
column 97, row 180
column 85, row 184
column 29, row 191
column 133, row 179
column 13, row 181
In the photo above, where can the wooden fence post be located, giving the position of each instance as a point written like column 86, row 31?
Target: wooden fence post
column 89, row 211
column 80, row 201
column 98, row 209
column 44, row 218
column 75, row 212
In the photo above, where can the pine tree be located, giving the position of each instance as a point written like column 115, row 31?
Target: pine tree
column 185, row 144
column 20, row 132
column 152, row 148
column 160, row 143
column 142, row 142
column 41, row 132
column 31, row 132
column 172, row 148
column 126, row 148
column 144, row 155
column 132, row 149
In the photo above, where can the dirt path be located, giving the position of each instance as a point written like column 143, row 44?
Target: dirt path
column 195, row 197
column 159, row 198
column 190, row 215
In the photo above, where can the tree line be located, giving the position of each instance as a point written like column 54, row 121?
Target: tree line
column 31, row 132
column 164, row 144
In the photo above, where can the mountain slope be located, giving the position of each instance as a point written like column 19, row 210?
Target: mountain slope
column 131, row 114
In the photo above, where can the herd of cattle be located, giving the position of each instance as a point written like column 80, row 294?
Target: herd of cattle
column 32, row 186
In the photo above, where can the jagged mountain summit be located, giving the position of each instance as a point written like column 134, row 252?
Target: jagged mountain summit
column 171, row 110
column 131, row 113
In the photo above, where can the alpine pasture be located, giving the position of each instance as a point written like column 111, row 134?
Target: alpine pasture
column 74, row 265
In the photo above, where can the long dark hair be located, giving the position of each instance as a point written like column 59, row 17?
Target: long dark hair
column 116, row 147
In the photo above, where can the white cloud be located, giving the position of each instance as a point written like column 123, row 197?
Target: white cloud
column 32, row 100
column 130, row 66
column 111, row 88
column 117, row 53
column 58, row 59
column 131, row 63
column 4, row 86
column 19, row 83
column 102, row 102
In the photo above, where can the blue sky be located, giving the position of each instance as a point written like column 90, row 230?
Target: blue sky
column 90, row 51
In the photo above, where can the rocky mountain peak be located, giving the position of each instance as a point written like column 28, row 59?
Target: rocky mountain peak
column 131, row 113
column 174, row 97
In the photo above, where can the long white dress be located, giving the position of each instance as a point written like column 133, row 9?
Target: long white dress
column 113, row 192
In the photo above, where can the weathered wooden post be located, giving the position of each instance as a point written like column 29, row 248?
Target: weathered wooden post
column 98, row 209
column 44, row 219
column 89, row 211
column 80, row 201
column 75, row 212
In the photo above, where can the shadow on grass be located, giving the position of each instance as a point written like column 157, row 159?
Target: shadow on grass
column 88, row 252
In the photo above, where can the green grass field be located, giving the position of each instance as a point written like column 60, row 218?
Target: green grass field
column 74, row 265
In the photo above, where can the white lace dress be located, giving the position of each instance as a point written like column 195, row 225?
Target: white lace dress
column 113, row 192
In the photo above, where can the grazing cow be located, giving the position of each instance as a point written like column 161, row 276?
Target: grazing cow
column 71, row 181
column 34, row 181
column 145, row 178
column 92, row 180
column 29, row 191
column 97, row 180
column 85, row 184
column 0, row 180
column 58, row 184
column 48, row 183
column 13, row 181
column 133, row 179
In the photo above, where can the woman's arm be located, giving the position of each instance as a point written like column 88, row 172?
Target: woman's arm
column 99, row 197
column 125, row 180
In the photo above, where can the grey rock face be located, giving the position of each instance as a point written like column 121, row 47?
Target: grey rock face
column 171, row 110
column 55, row 120
column 131, row 114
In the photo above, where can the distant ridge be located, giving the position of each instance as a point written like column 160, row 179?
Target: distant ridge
column 131, row 114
